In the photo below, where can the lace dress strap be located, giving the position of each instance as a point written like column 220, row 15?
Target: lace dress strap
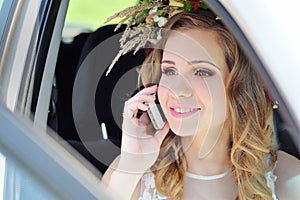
column 148, row 189
column 271, row 177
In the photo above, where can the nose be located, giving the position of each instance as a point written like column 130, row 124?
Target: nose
column 181, row 87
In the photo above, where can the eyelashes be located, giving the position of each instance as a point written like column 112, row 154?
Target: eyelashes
column 170, row 71
column 204, row 73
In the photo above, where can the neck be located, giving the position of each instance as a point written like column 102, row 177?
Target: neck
column 211, row 161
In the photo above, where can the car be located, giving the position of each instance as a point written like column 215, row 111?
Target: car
column 60, row 115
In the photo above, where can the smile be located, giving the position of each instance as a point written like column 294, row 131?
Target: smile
column 183, row 112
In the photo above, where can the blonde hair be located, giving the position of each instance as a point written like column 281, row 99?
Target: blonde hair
column 248, row 116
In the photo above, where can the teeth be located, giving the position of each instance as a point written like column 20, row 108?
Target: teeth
column 183, row 110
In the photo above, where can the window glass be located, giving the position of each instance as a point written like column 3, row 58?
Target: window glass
column 5, row 6
column 1, row 1
column 19, row 32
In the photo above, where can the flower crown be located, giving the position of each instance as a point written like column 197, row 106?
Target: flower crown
column 145, row 21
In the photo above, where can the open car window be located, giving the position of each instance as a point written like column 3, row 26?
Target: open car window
column 89, row 104
column 95, row 102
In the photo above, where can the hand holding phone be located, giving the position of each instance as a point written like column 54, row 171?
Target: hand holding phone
column 156, row 115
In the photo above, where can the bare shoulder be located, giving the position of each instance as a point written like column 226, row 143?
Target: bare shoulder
column 288, row 172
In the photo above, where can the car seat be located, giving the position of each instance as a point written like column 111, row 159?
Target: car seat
column 284, row 140
column 68, row 57
column 92, row 86
column 99, row 99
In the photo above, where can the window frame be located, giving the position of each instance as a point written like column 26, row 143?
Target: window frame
column 57, row 166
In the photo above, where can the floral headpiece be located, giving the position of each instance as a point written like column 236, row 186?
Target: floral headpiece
column 145, row 21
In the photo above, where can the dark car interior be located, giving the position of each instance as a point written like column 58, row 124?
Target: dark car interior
column 70, row 59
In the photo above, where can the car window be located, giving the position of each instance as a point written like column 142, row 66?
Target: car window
column 18, row 45
column 82, row 91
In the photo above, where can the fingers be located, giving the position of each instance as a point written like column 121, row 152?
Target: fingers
column 148, row 90
column 138, row 101
column 134, row 106
column 161, row 134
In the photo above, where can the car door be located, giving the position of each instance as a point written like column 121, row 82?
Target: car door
column 33, row 163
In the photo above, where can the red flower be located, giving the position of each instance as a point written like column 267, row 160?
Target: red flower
column 195, row 4
column 269, row 97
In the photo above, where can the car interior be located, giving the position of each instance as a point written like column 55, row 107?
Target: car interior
column 96, row 49
column 61, row 116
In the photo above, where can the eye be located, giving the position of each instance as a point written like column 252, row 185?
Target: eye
column 169, row 72
column 204, row 72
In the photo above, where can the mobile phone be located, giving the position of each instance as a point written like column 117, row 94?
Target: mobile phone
column 156, row 115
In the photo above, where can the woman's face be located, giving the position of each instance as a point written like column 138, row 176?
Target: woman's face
column 191, row 90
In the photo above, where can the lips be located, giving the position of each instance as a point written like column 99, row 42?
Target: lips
column 182, row 111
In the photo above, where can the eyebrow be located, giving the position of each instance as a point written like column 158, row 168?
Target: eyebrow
column 193, row 62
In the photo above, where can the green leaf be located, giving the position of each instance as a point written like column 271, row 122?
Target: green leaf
column 160, row 7
column 203, row 6
column 144, row 12
column 187, row 6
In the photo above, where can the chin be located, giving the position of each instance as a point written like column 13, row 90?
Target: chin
column 183, row 131
column 186, row 127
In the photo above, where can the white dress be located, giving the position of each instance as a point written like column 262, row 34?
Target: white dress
column 148, row 189
column 149, row 192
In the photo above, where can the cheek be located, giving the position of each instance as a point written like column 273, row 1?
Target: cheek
column 162, row 93
column 218, row 99
column 217, row 91
column 201, row 91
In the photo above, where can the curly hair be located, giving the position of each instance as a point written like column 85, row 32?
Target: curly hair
column 249, row 112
